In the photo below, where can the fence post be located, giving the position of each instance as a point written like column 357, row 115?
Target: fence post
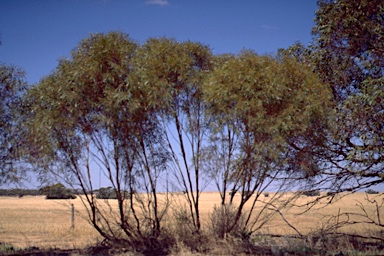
column 73, row 217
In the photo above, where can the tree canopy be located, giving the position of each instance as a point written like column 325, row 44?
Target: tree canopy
column 348, row 56
column 12, row 87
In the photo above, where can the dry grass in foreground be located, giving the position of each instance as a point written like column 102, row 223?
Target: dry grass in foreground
column 34, row 221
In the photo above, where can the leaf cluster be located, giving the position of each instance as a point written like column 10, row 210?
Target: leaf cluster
column 349, row 41
column 12, row 88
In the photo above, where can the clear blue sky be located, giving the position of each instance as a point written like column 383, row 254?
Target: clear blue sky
column 36, row 33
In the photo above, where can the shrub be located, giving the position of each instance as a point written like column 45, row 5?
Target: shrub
column 106, row 193
column 222, row 221
column 185, row 233
column 57, row 191
column 371, row 191
column 7, row 248
column 19, row 192
column 311, row 192
column 110, row 193
column 266, row 194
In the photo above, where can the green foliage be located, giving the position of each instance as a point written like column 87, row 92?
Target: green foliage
column 94, row 110
column 110, row 193
column 185, row 233
column 172, row 74
column 12, row 87
column 7, row 249
column 310, row 193
column 270, row 103
column 349, row 43
column 253, row 90
column 57, row 191
column 84, row 94
column 371, row 191
column 348, row 56
column 19, row 192
column 138, row 111
column 106, row 193
column 223, row 222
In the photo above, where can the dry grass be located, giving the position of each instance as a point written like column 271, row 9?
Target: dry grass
column 34, row 221
column 323, row 214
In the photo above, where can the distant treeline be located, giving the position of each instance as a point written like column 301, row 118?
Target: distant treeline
column 20, row 192
column 56, row 191
column 59, row 191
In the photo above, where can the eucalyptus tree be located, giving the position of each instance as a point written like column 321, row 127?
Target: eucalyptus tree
column 347, row 54
column 217, row 155
column 261, row 107
column 12, row 88
column 175, row 71
column 91, row 116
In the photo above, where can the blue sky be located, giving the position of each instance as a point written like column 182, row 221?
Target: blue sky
column 36, row 33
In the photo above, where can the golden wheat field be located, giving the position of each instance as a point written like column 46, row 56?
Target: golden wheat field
column 34, row 221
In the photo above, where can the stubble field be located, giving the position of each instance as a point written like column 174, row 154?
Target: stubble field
column 34, row 221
